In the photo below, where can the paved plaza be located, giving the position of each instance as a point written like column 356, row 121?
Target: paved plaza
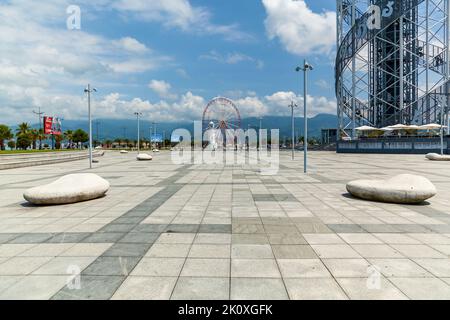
column 167, row 231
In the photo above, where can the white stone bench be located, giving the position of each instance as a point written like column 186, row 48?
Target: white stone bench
column 144, row 157
column 437, row 157
column 402, row 189
column 68, row 189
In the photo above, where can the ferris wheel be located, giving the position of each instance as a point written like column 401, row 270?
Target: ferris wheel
column 222, row 113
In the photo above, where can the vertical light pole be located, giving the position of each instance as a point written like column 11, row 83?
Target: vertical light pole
column 97, row 123
column 164, row 139
column 39, row 113
column 442, row 128
column 292, row 106
column 89, row 90
column 138, row 114
column 306, row 67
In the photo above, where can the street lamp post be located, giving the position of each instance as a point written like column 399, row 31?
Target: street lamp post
column 138, row 114
column 89, row 90
column 292, row 106
column 39, row 113
column 306, row 67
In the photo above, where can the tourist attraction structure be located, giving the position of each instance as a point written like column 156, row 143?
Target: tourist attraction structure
column 392, row 70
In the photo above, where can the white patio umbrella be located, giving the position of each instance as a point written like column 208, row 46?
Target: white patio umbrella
column 431, row 126
column 399, row 127
column 366, row 128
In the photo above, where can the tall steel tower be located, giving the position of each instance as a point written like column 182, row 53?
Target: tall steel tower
column 392, row 64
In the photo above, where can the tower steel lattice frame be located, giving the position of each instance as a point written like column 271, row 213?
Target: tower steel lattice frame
column 396, row 72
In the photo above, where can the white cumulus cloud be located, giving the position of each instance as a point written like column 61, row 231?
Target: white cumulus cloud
column 300, row 30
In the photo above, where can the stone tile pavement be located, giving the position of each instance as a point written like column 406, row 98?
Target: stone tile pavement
column 167, row 231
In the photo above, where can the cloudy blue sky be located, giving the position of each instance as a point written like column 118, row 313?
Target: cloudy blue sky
column 165, row 58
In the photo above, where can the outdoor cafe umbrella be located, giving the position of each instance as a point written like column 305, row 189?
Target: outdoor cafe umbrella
column 431, row 126
column 366, row 128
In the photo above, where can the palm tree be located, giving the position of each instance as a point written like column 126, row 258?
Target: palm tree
column 5, row 134
column 108, row 144
column 34, row 135
column 23, row 129
column 68, row 135
column 42, row 136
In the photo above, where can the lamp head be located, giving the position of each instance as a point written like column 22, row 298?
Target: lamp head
column 298, row 69
column 308, row 66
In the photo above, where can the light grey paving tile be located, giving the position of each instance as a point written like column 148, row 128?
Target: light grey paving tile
column 46, row 250
column 358, row 289
column 348, row 268
column 257, row 289
column 210, row 251
column 254, row 268
column 314, row 289
column 201, row 289
column 240, row 238
column 176, row 238
column 145, row 288
column 11, row 250
column 317, row 238
column 443, row 248
column 86, row 250
column 8, row 281
column 64, row 266
column 219, row 268
column 159, row 267
column 359, row 238
column 34, row 288
column 22, row 265
column 335, row 251
column 256, row 251
column 399, row 268
column 423, row 288
column 438, row 267
column 302, row 268
column 212, row 238
column 293, row 252
column 396, row 238
column 376, row 251
column 417, row 251
column 168, row 251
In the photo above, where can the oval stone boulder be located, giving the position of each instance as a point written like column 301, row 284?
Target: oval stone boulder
column 71, row 188
column 144, row 157
column 437, row 157
column 401, row 189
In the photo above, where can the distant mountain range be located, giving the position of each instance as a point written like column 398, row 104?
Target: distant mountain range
column 113, row 128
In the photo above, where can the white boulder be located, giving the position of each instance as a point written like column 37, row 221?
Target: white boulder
column 402, row 189
column 155, row 150
column 68, row 189
column 437, row 157
column 123, row 151
column 144, row 157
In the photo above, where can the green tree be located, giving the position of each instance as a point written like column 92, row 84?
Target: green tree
column 11, row 144
column 34, row 135
column 58, row 139
column 23, row 141
column 5, row 134
column 41, row 136
column 24, row 128
column 68, row 135
column 80, row 135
